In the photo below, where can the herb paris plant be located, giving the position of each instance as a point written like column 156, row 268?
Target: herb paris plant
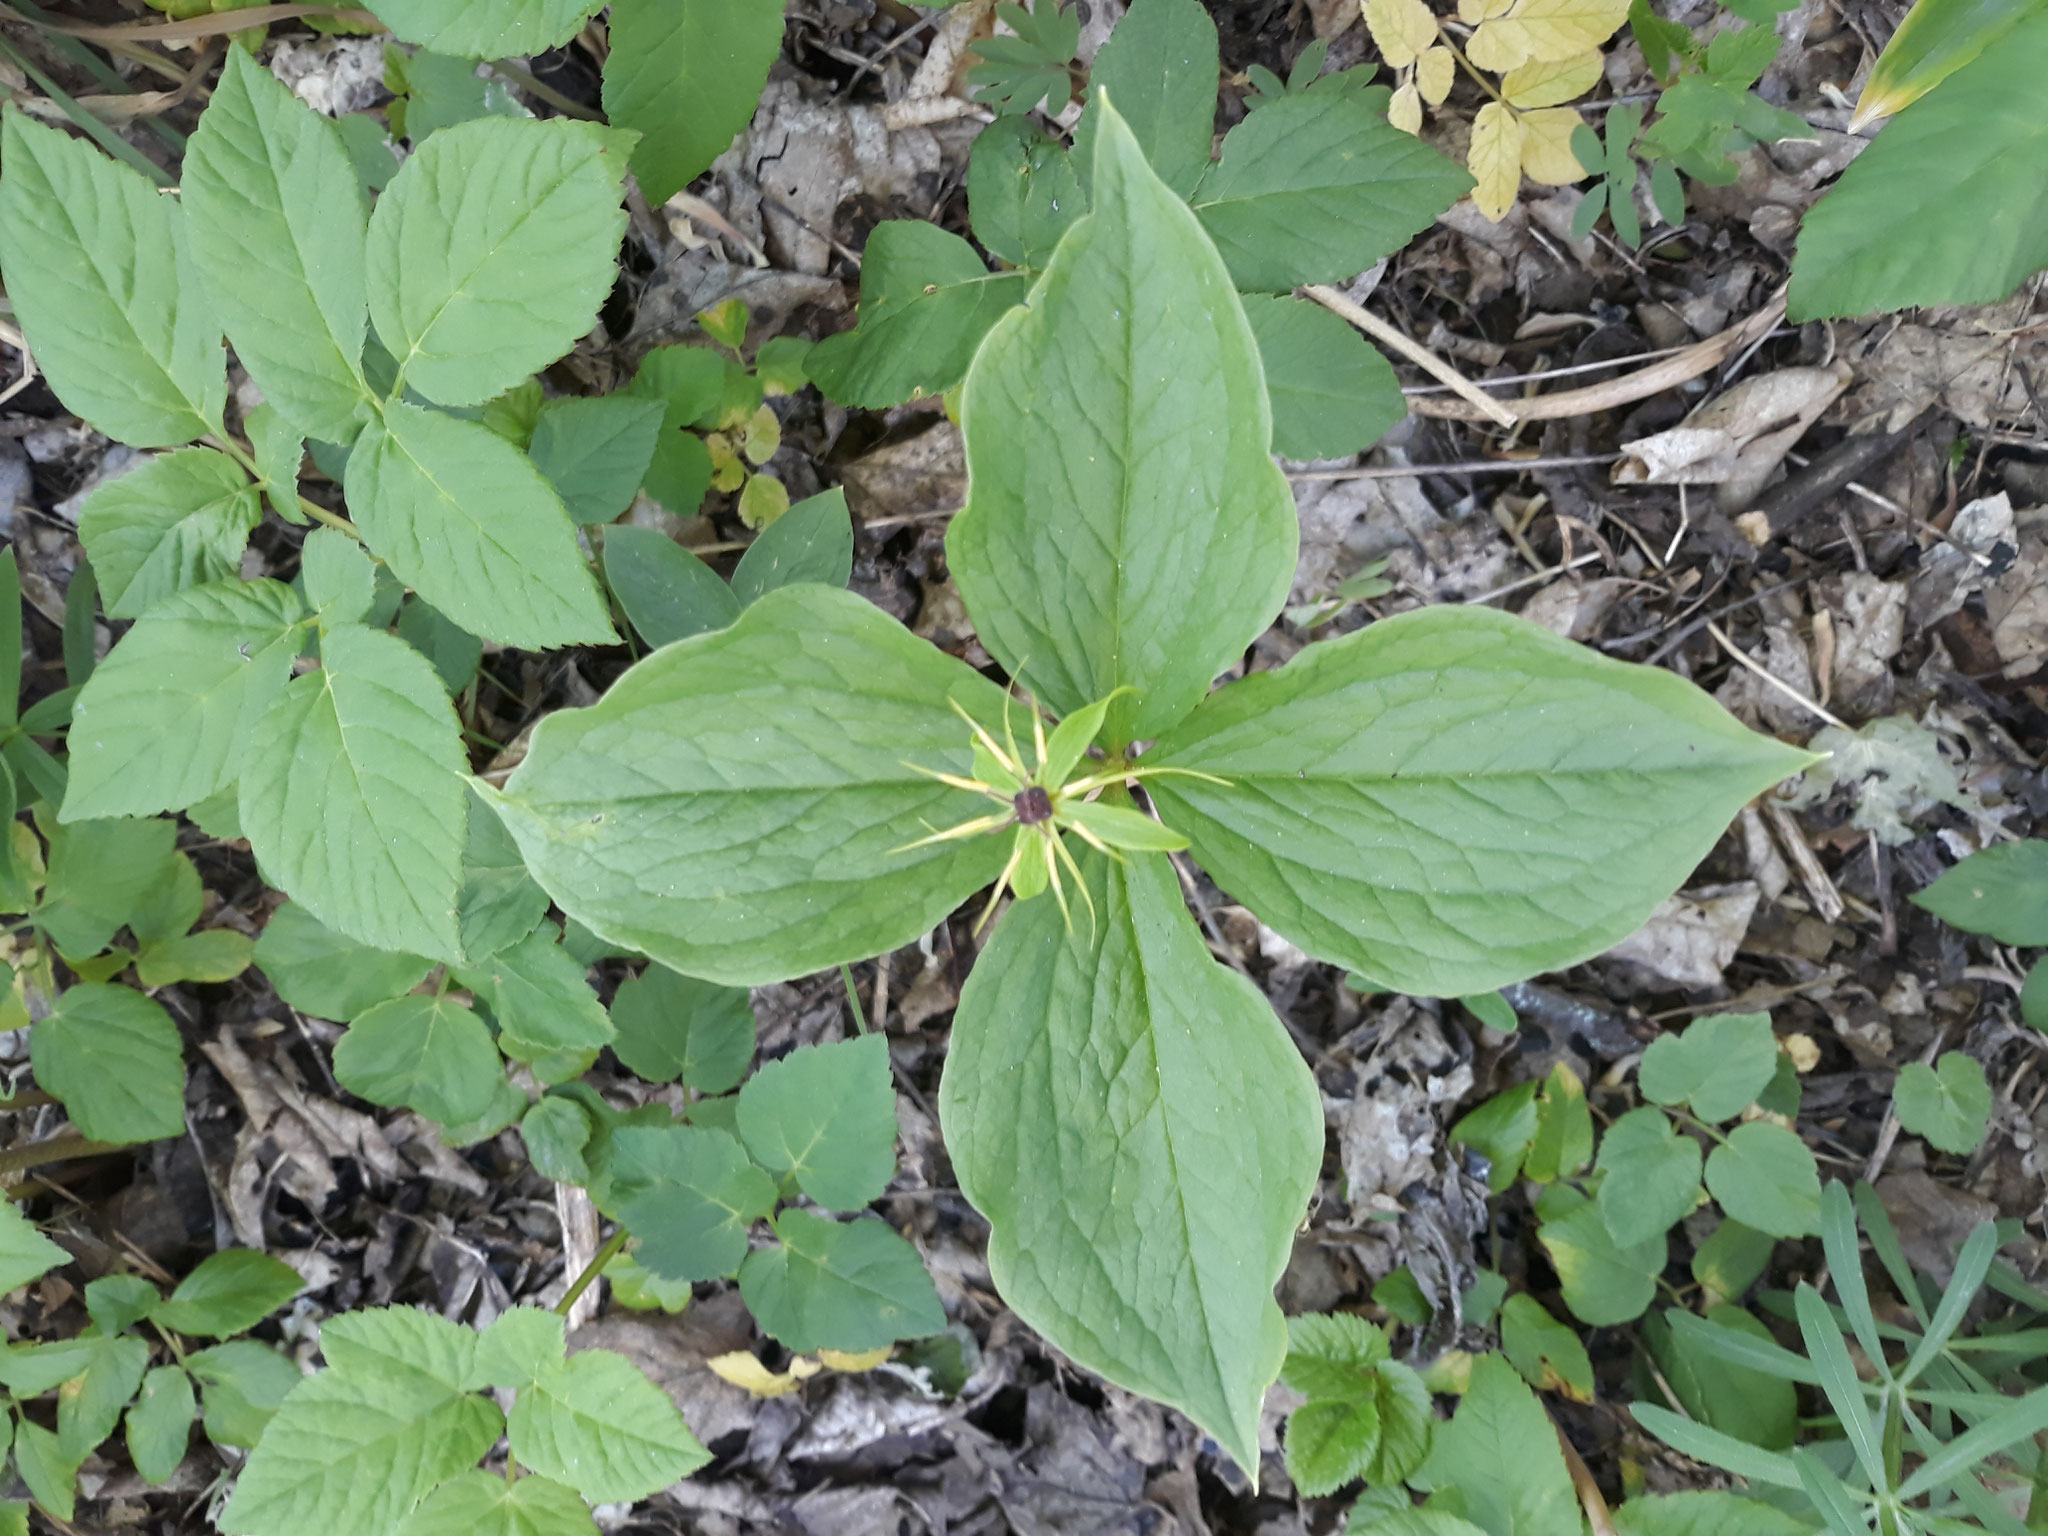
column 1443, row 802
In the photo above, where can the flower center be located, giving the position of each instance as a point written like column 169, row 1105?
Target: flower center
column 1033, row 805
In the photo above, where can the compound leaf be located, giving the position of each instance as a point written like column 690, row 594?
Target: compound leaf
column 484, row 29
column 599, row 1426
column 714, row 54
column 466, row 521
column 786, row 735
column 276, row 224
column 1118, row 460
column 516, row 1349
column 825, row 1116
column 491, row 251
column 103, row 287
column 1142, row 1135
column 689, row 1195
column 926, row 302
column 113, row 1056
column 176, row 522
column 1316, row 187
column 431, row 1054
column 850, row 1286
column 1958, row 167
column 229, row 1293
column 1332, row 393
column 328, row 974
column 356, row 1450
column 352, row 796
column 1454, row 799
column 166, row 718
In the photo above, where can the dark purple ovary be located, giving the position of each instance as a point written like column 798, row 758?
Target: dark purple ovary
column 1033, row 806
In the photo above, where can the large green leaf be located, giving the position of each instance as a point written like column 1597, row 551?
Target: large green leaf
column 668, row 593
column 734, row 806
column 1332, row 393
column 926, row 302
column 1962, row 169
column 484, row 29
column 351, row 794
column 596, row 451
column 598, row 1425
column 1022, row 191
column 1652, row 1177
column 1765, row 1177
column 1937, row 38
column 689, row 1195
column 354, row 1451
column 1454, row 799
column 466, row 521
column 100, row 874
column 431, row 1054
column 1118, row 463
column 845, row 1285
column 1317, row 186
column 166, row 717
column 276, row 224
column 825, row 1116
column 713, row 54
column 1142, row 1135
column 812, row 541
column 329, row 974
column 103, row 288
column 174, row 523
column 1603, row 1282
column 2002, row 892
column 1159, row 69
column 112, row 1055
column 1705, row 1514
column 491, row 251
column 1497, row 1462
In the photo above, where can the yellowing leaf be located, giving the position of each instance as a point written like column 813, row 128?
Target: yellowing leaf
column 1498, row 45
column 1495, row 160
column 1404, row 111
column 1401, row 29
column 746, row 1372
column 1545, row 30
column 1551, row 82
column 864, row 1360
column 1547, row 146
column 1473, row 12
column 1434, row 70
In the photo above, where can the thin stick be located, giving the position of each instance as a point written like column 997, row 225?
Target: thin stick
column 1738, row 654
column 1530, row 580
column 1672, row 371
column 1604, row 366
column 1482, row 404
column 1466, row 467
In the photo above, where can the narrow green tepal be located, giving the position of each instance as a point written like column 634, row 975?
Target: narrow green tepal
column 1143, row 1137
column 1117, row 432
column 737, row 805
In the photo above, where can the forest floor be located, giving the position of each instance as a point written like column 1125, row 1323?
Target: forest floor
column 1917, row 594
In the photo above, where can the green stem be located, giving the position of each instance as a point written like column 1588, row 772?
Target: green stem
column 860, row 1019
column 312, row 509
column 591, row 1271
column 525, row 79
column 56, row 1150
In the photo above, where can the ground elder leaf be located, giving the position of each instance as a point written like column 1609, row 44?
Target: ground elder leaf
column 352, row 795
column 113, row 1056
column 715, row 54
column 597, row 1425
column 825, row 1116
column 177, row 522
column 850, row 1286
